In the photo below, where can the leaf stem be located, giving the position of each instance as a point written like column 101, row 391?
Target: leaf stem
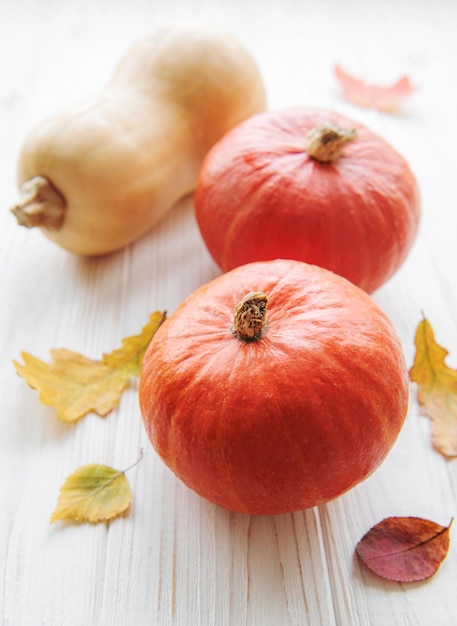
column 135, row 463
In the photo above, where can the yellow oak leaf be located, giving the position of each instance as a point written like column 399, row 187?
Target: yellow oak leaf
column 437, row 389
column 76, row 385
column 93, row 493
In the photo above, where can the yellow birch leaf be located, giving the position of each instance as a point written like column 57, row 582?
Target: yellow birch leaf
column 437, row 389
column 76, row 385
column 93, row 493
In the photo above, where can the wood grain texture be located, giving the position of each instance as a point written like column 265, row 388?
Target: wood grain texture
column 175, row 559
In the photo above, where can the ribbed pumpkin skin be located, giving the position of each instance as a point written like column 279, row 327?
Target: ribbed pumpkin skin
column 260, row 196
column 287, row 422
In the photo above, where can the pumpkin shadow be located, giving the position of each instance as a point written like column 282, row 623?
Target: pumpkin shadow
column 162, row 267
column 277, row 564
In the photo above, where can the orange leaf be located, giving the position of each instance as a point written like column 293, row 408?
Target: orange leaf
column 437, row 389
column 379, row 97
column 404, row 549
column 75, row 385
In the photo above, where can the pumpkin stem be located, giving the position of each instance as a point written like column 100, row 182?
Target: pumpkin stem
column 41, row 205
column 250, row 320
column 326, row 142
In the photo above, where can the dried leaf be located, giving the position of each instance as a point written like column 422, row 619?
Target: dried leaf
column 404, row 549
column 76, row 385
column 93, row 493
column 379, row 97
column 437, row 389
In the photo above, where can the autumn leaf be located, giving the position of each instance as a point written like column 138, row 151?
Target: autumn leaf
column 437, row 389
column 93, row 493
column 76, row 385
column 404, row 549
column 383, row 98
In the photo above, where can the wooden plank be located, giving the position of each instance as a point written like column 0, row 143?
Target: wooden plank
column 175, row 559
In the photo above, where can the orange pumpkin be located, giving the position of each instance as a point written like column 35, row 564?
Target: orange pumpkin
column 311, row 185
column 275, row 387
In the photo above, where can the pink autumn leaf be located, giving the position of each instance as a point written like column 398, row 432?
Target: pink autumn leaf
column 404, row 549
column 383, row 98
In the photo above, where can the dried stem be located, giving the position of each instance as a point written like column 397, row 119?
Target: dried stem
column 250, row 319
column 41, row 204
column 327, row 141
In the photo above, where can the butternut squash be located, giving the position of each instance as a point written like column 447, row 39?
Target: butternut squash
column 97, row 177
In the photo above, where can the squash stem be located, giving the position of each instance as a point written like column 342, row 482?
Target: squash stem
column 326, row 142
column 250, row 318
column 41, row 205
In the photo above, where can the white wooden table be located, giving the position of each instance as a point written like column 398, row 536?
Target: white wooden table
column 175, row 558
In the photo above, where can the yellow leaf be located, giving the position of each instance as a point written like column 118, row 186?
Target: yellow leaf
column 130, row 356
column 93, row 493
column 76, row 385
column 437, row 389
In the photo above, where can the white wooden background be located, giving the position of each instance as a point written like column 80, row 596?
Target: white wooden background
column 176, row 559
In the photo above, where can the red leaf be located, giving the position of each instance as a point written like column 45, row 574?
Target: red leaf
column 404, row 549
column 373, row 96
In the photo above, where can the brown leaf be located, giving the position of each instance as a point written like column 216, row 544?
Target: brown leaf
column 404, row 549
column 437, row 389
column 76, row 385
column 383, row 98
